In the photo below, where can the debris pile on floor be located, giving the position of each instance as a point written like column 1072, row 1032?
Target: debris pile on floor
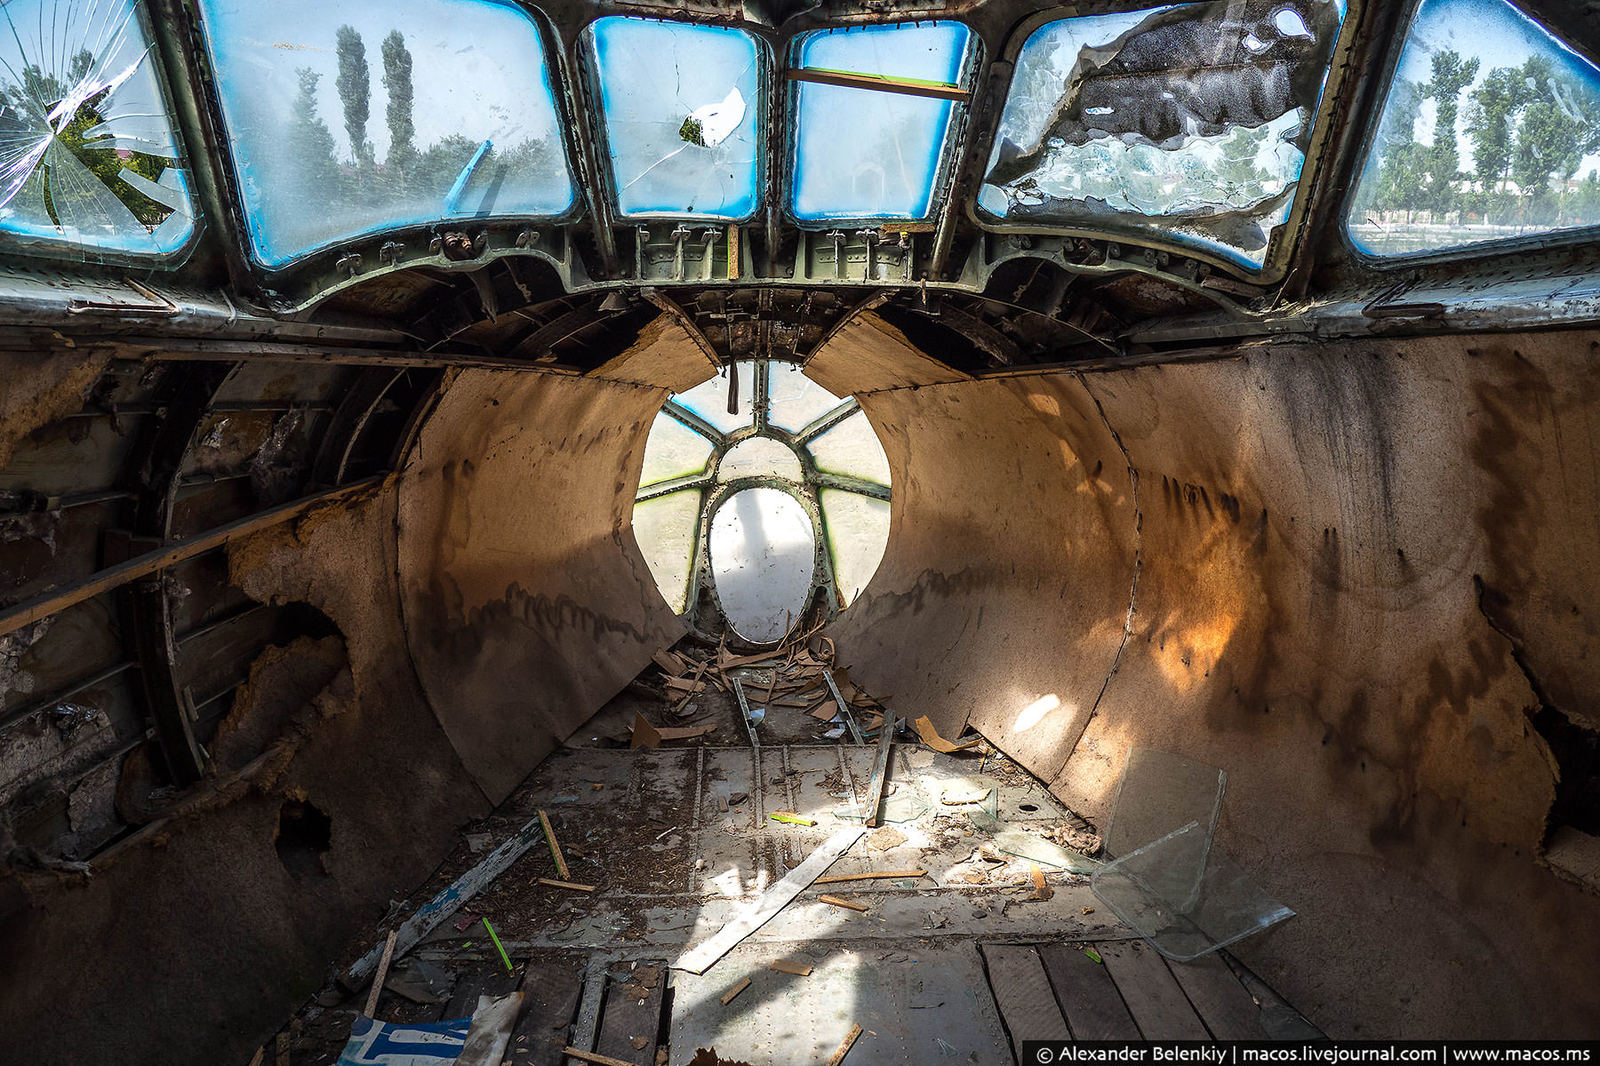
column 728, row 903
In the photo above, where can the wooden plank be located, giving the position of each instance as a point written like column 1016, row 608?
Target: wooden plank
column 630, row 1014
column 43, row 606
column 844, row 1049
column 1022, row 992
column 598, row 1060
column 551, row 991
column 555, row 849
column 1154, row 998
column 1225, row 1006
column 1087, row 995
column 874, row 876
column 471, row 987
column 379, row 974
column 700, row 958
column 847, row 904
column 880, row 774
column 731, row 994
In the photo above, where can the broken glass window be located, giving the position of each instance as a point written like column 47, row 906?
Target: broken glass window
column 350, row 119
column 1190, row 121
column 864, row 151
column 1490, row 132
column 88, row 154
column 682, row 111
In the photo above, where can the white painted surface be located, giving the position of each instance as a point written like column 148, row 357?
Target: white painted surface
column 762, row 559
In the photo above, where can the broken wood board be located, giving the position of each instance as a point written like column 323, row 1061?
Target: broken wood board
column 555, row 849
column 930, row 736
column 699, row 959
column 1154, row 998
column 844, row 1048
column 729, row 996
column 874, row 876
column 553, row 883
column 646, row 735
column 631, row 1011
column 598, row 1060
column 847, row 904
column 1022, row 992
column 880, row 774
column 1090, row 1000
column 791, row 966
column 551, row 993
column 377, row 977
column 447, row 902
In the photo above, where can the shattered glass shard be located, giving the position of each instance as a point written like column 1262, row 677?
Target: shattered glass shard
column 88, row 154
column 1191, row 120
column 677, row 104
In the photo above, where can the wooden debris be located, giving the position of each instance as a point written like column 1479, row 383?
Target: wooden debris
column 670, row 662
column 599, row 1060
column 283, row 1049
column 730, row 994
column 845, row 903
column 449, row 900
column 874, row 876
column 799, row 969
column 379, row 974
column 646, row 735
column 553, row 883
column 1041, row 887
column 930, row 736
column 700, row 958
column 792, row 818
column 880, row 774
column 255, row 1060
column 555, row 849
column 844, row 1048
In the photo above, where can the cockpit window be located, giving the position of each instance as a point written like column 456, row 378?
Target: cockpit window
column 1189, row 121
column 89, row 158
column 1490, row 132
column 682, row 108
column 873, row 112
column 350, row 119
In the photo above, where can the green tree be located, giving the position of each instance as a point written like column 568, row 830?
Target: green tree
column 355, row 92
column 1451, row 74
column 308, row 143
column 1491, row 121
column 1401, row 177
column 397, row 84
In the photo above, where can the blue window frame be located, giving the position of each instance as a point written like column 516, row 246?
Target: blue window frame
column 683, row 116
column 1187, row 121
column 349, row 119
column 1522, row 155
column 89, row 157
column 868, row 153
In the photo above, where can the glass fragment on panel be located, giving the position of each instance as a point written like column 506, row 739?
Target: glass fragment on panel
column 1189, row 120
column 1522, row 153
column 682, row 111
column 858, row 533
column 665, row 529
column 345, row 120
column 88, row 153
column 759, row 457
column 794, row 401
column 672, row 451
column 867, row 153
column 709, row 399
column 851, row 448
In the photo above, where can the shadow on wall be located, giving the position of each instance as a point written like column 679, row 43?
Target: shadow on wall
column 1304, row 530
